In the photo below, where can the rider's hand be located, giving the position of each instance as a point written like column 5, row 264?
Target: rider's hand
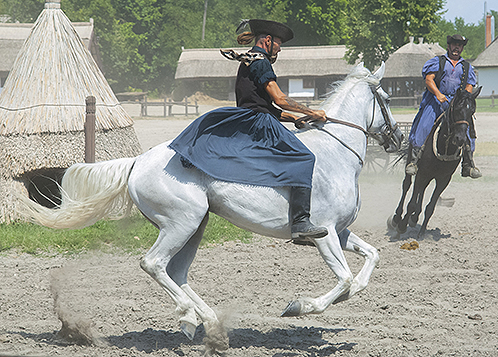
column 319, row 115
column 441, row 98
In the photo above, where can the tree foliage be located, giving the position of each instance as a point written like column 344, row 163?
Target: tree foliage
column 315, row 22
column 141, row 40
column 377, row 28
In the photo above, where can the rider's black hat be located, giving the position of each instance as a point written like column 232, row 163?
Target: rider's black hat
column 267, row 27
column 456, row 38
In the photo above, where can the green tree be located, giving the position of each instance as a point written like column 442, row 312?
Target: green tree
column 21, row 10
column 315, row 22
column 377, row 28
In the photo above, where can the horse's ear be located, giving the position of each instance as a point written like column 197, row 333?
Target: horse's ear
column 380, row 72
column 476, row 92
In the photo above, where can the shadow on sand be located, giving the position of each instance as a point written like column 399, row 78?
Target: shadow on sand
column 292, row 340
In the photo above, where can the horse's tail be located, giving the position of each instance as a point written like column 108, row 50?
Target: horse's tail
column 89, row 192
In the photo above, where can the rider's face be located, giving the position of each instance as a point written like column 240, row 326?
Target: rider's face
column 455, row 50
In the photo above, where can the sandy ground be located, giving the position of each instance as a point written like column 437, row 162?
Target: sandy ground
column 438, row 300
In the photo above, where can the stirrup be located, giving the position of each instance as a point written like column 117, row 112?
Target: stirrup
column 309, row 231
column 472, row 172
column 411, row 169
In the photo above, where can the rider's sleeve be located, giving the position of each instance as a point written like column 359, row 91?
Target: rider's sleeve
column 431, row 66
column 472, row 76
column 262, row 72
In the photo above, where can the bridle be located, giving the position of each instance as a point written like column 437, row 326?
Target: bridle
column 448, row 116
column 388, row 130
column 384, row 136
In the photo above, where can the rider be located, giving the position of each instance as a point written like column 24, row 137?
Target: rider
column 437, row 97
column 247, row 144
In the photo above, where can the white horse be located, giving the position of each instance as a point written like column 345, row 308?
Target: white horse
column 177, row 200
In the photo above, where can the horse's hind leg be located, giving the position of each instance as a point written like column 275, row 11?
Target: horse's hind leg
column 177, row 269
column 441, row 185
column 352, row 243
column 177, row 227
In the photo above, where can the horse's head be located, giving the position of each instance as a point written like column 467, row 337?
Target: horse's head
column 382, row 125
column 459, row 115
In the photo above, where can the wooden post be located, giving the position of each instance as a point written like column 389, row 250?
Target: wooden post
column 144, row 106
column 170, row 107
column 493, row 99
column 90, row 130
column 196, row 108
column 186, row 106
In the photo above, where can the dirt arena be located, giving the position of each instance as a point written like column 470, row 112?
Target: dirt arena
column 438, row 300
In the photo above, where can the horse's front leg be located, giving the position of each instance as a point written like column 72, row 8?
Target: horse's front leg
column 352, row 243
column 394, row 220
column 441, row 185
column 331, row 251
column 407, row 182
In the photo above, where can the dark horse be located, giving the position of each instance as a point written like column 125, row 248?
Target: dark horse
column 440, row 157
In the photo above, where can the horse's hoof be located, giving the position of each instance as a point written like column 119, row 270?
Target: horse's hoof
column 401, row 230
column 188, row 329
column 292, row 309
column 390, row 224
column 412, row 222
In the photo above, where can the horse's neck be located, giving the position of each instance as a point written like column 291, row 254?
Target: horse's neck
column 350, row 104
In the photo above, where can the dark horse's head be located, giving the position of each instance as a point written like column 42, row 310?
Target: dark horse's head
column 459, row 116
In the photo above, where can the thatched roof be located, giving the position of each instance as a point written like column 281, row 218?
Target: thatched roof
column 312, row 61
column 488, row 57
column 50, row 79
column 42, row 110
column 13, row 36
column 408, row 60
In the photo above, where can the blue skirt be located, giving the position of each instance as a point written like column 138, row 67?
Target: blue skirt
column 243, row 146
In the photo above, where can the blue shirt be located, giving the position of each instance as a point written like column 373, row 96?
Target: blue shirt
column 452, row 76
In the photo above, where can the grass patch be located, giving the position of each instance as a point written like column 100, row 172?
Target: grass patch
column 132, row 234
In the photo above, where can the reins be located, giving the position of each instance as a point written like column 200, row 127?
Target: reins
column 385, row 115
column 337, row 121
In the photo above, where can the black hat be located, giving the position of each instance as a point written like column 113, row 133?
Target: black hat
column 456, row 38
column 267, row 27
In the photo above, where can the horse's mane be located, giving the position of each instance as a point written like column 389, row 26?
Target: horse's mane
column 340, row 88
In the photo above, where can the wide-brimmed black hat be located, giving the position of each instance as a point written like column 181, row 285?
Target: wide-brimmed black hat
column 456, row 38
column 267, row 27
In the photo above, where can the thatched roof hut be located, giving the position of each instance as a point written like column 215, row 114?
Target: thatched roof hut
column 42, row 113
column 403, row 77
column 303, row 68
column 13, row 36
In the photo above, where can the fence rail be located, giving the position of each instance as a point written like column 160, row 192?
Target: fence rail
column 166, row 103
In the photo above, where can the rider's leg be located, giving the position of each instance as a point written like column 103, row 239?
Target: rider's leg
column 469, row 169
column 301, row 227
column 413, row 156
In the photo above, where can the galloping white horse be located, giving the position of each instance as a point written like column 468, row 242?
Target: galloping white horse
column 177, row 200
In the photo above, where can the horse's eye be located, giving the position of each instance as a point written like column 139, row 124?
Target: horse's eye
column 388, row 100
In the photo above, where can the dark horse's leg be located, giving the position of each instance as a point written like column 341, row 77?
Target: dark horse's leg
column 441, row 184
column 414, row 204
column 407, row 182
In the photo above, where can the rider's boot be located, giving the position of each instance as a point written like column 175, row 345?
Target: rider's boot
column 412, row 167
column 302, row 228
column 469, row 169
